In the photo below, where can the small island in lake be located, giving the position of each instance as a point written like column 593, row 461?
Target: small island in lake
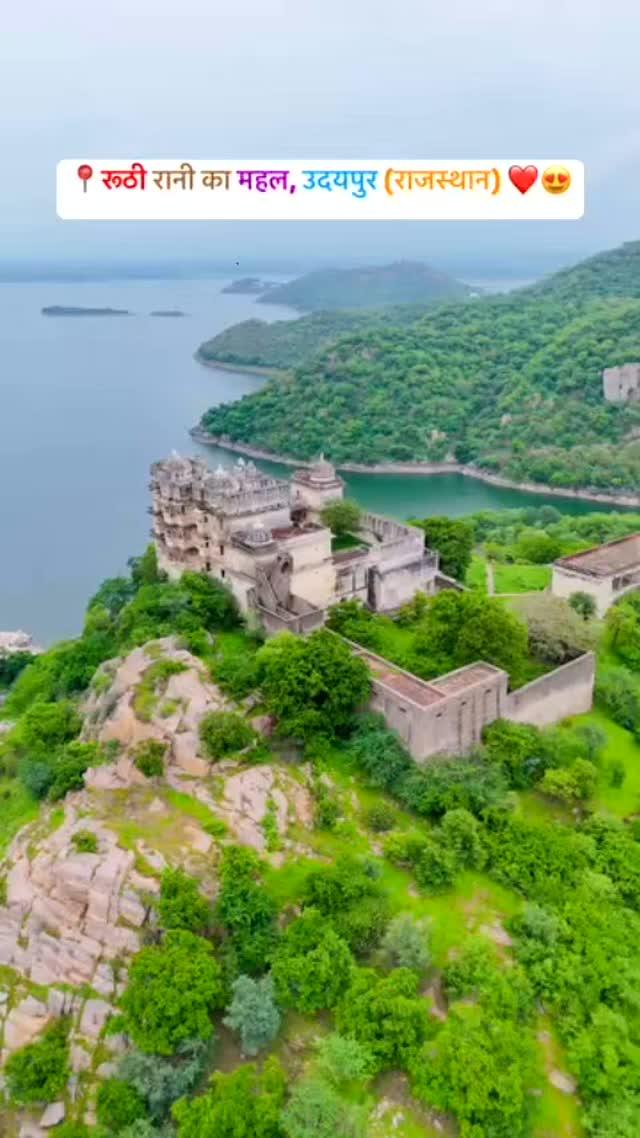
column 70, row 310
column 249, row 285
column 167, row 312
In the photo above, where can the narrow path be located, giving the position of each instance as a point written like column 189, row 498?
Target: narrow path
column 491, row 584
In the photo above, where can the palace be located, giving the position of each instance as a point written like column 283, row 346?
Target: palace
column 265, row 538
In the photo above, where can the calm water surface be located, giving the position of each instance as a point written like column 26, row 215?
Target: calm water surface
column 87, row 403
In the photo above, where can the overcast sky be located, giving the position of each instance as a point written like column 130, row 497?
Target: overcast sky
column 316, row 78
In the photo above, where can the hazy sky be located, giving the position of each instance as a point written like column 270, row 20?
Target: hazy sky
column 315, row 78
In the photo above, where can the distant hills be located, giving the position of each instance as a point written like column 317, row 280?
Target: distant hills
column 405, row 282
column 510, row 383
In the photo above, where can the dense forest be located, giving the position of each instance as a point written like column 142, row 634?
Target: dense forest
column 404, row 282
column 511, row 383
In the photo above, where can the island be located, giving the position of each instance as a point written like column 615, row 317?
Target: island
column 369, row 286
column 249, row 286
column 167, row 312
column 71, row 310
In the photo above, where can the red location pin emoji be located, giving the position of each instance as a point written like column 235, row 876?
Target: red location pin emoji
column 84, row 173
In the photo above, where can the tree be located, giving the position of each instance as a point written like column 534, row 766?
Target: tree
column 314, row 685
column 341, row 516
column 246, row 910
column 461, row 628
column 317, row 1110
column 460, row 833
column 243, row 1104
column 386, row 1014
column 584, row 604
column 253, row 1013
column 344, row 1061
column 556, row 632
column 350, row 894
column 405, row 944
column 161, row 1082
column 623, row 632
column 173, row 989
column 479, row 1068
column 144, row 570
column 38, row 1073
column 575, row 783
column 224, row 732
column 312, row 965
column 453, row 540
column 618, row 690
column 537, row 547
column 436, row 868
column 181, row 905
column 118, row 1105
column 518, row 749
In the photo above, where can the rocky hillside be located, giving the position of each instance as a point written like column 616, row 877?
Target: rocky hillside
column 231, row 905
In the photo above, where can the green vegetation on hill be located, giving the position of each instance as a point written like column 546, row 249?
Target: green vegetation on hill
column 510, row 383
column 404, row 282
column 434, row 952
column 284, row 343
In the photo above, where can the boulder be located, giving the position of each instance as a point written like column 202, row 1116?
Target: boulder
column 25, row 1023
column 53, row 1115
column 94, row 1016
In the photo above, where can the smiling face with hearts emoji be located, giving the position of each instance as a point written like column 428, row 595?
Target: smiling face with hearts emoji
column 556, row 180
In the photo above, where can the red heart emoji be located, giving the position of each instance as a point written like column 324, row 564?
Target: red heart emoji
column 523, row 177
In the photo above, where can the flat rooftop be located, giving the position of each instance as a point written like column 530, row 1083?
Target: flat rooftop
column 282, row 533
column 606, row 560
column 427, row 692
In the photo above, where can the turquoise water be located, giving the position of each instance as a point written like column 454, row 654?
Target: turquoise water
column 87, row 403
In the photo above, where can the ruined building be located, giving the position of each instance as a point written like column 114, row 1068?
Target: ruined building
column 264, row 537
column 621, row 384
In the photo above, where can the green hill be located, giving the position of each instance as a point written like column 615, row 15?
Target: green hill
column 285, row 343
column 376, row 286
column 511, row 383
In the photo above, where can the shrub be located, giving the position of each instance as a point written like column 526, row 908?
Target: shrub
column 161, row 1082
column 38, row 1073
column 118, row 1104
column 575, row 783
column 460, row 834
column 316, row 1110
column 386, row 1014
column 341, row 516
column 378, row 752
column 342, row 1060
column 253, row 1013
column 149, row 757
column 180, row 905
column 618, row 690
column 436, row 867
column 584, row 604
column 85, row 841
column 223, row 733
column 380, row 818
column 406, row 944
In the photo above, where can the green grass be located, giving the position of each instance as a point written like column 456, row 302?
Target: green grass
column 521, row 578
column 17, row 807
column 476, row 576
column 344, row 541
column 197, row 810
column 624, row 800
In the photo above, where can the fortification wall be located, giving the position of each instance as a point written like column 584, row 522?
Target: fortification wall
column 566, row 691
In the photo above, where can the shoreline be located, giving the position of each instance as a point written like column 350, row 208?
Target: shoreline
column 424, row 470
column 246, row 369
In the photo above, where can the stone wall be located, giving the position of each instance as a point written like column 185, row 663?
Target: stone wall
column 566, row 691
column 621, row 384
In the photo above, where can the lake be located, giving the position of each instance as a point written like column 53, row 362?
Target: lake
column 88, row 403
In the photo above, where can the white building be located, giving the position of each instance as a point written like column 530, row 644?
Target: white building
column 264, row 537
column 606, row 572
